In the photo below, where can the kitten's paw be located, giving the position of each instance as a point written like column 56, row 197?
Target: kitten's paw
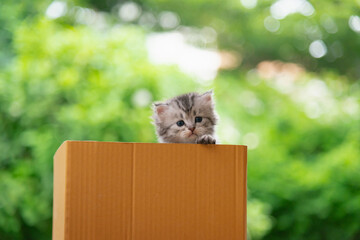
column 206, row 139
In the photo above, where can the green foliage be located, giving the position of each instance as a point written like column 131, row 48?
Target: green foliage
column 305, row 169
column 68, row 83
column 60, row 80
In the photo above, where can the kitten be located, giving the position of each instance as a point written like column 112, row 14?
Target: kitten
column 188, row 118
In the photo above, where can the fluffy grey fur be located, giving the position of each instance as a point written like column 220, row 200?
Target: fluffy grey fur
column 186, row 108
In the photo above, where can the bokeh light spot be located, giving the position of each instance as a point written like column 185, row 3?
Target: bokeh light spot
column 169, row 20
column 282, row 8
column 336, row 49
column 129, row 11
column 271, row 24
column 171, row 48
column 142, row 98
column 251, row 140
column 147, row 20
column 317, row 49
column 351, row 106
column 354, row 23
column 56, row 9
column 208, row 34
column 329, row 24
column 249, row 4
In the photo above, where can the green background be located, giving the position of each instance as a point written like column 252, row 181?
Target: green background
column 67, row 78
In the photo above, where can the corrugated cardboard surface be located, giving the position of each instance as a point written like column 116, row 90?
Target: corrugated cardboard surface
column 140, row 191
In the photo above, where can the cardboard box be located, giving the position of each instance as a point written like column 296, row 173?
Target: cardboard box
column 155, row 191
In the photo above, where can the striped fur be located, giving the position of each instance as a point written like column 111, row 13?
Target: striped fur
column 186, row 107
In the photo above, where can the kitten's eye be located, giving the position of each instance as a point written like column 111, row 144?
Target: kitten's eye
column 198, row 119
column 180, row 123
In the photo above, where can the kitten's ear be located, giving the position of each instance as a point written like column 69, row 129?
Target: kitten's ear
column 160, row 108
column 207, row 97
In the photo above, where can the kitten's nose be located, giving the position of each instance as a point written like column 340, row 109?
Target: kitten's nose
column 192, row 129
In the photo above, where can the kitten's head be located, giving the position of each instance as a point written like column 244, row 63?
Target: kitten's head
column 185, row 118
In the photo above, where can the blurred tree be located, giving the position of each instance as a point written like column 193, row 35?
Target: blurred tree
column 274, row 29
column 69, row 83
column 314, row 34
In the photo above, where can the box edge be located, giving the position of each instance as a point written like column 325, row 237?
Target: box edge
column 63, row 149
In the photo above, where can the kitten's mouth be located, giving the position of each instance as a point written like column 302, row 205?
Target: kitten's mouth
column 192, row 135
